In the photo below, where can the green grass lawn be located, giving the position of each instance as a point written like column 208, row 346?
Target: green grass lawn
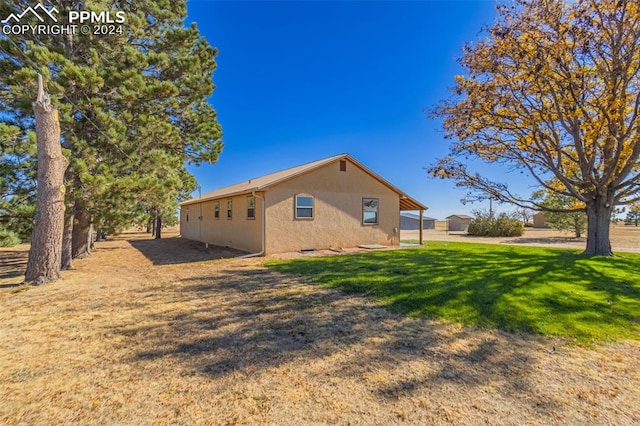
column 532, row 289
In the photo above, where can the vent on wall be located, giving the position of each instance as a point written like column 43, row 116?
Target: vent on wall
column 343, row 165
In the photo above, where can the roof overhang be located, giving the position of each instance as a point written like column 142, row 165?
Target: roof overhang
column 221, row 197
column 408, row 203
column 260, row 184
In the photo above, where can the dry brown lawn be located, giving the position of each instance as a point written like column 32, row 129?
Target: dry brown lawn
column 162, row 332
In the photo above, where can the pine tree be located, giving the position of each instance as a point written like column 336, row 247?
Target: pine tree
column 633, row 215
column 132, row 106
column 44, row 260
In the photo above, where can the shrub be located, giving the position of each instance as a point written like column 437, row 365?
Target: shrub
column 501, row 226
column 8, row 238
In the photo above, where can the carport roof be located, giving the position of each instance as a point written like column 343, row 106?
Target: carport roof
column 417, row 216
column 263, row 183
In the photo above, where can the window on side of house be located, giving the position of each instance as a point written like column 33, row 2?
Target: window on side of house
column 216, row 210
column 251, row 207
column 343, row 165
column 229, row 208
column 369, row 211
column 304, row 207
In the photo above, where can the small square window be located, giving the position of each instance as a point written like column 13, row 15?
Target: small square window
column 304, row 207
column 369, row 211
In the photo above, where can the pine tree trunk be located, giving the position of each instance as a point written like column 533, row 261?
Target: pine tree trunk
column 81, row 240
column 598, row 220
column 92, row 241
column 158, row 227
column 45, row 254
column 67, row 253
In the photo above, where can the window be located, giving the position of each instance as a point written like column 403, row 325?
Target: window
column 369, row 211
column 229, row 208
column 251, row 208
column 216, row 210
column 343, row 165
column 304, row 207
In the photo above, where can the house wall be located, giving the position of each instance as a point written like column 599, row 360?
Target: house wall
column 238, row 232
column 337, row 218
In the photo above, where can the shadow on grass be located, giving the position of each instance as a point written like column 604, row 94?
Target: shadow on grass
column 176, row 250
column 548, row 240
column 244, row 322
column 538, row 290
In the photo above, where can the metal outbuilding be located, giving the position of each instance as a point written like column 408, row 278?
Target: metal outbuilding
column 409, row 221
column 458, row 222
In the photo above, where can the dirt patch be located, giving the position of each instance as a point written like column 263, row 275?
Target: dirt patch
column 163, row 332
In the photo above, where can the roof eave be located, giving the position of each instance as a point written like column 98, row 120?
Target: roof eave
column 221, row 196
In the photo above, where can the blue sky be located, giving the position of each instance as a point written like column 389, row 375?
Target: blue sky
column 298, row 81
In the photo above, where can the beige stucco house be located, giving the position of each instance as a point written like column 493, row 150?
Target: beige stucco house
column 330, row 203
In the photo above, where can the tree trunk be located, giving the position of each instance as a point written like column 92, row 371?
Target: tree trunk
column 158, row 227
column 92, row 241
column 149, row 226
column 81, row 240
column 45, row 254
column 67, row 246
column 598, row 220
column 576, row 227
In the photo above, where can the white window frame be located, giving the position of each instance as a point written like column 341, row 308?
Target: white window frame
column 296, row 207
column 251, row 207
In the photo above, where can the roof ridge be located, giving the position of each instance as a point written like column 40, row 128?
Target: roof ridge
column 269, row 177
column 264, row 182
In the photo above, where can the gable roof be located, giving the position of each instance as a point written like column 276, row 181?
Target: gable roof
column 263, row 183
column 459, row 216
column 416, row 216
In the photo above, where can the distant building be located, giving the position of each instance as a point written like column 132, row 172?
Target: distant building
column 459, row 222
column 540, row 221
column 410, row 221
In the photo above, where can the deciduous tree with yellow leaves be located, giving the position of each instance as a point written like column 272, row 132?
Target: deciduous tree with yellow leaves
column 553, row 89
